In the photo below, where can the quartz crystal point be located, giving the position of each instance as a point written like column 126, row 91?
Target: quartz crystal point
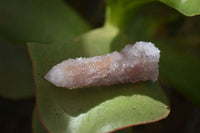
column 134, row 63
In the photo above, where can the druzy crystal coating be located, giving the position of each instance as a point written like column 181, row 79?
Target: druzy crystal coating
column 132, row 64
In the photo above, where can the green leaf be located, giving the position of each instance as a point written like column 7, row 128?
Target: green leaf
column 95, row 109
column 15, row 72
column 186, row 7
column 36, row 124
column 118, row 10
column 39, row 21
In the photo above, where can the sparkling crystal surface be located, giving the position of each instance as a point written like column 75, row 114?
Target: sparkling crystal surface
column 132, row 64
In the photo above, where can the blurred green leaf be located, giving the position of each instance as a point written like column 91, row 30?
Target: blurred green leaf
column 186, row 7
column 178, row 67
column 118, row 10
column 95, row 109
column 16, row 74
column 31, row 20
column 39, row 21
column 36, row 124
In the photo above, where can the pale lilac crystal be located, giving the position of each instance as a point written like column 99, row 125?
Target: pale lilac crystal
column 134, row 63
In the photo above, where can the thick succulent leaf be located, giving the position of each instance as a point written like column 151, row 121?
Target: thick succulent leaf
column 95, row 109
column 36, row 124
column 39, row 128
column 39, row 21
column 186, row 7
column 15, row 72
